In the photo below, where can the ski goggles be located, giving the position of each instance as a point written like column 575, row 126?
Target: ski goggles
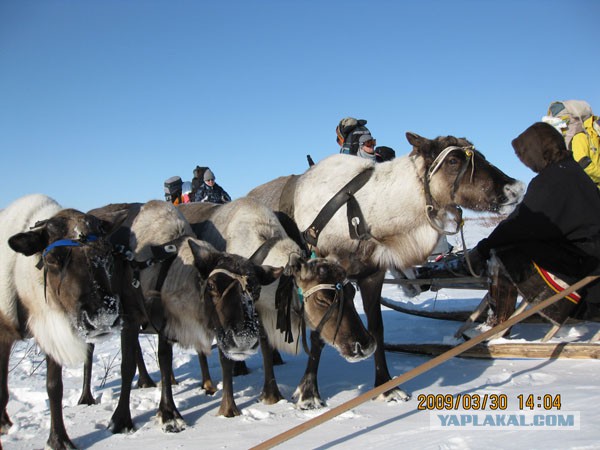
column 370, row 143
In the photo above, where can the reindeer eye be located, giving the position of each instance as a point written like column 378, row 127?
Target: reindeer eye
column 53, row 259
column 322, row 301
column 212, row 286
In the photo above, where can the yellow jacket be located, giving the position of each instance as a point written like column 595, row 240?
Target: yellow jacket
column 588, row 145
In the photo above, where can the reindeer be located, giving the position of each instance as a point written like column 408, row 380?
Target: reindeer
column 388, row 215
column 55, row 285
column 248, row 228
column 189, row 293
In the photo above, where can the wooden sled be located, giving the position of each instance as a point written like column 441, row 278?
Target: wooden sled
column 576, row 350
column 435, row 284
column 458, row 316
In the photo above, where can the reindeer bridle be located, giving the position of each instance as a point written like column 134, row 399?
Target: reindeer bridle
column 241, row 279
column 84, row 240
column 338, row 301
column 430, row 203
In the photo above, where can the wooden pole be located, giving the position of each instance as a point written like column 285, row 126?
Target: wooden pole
column 328, row 415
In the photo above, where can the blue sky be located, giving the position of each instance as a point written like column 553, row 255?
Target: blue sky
column 101, row 101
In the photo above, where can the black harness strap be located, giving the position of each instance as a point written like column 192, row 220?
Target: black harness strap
column 285, row 214
column 263, row 251
column 283, row 305
column 356, row 222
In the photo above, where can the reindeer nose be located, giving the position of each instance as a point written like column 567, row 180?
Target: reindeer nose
column 514, row 192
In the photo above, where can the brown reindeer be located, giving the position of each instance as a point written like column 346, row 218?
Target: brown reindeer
column 54, row 286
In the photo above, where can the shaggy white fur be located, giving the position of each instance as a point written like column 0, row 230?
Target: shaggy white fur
column 21, row 279
column 16, row 268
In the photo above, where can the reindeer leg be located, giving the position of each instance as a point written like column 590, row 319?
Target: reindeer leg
column 171, row 420
column 207, row 383
column 58, row 438
column 270, row 393
column 86, row 390
column 228, row 407
column 120, row 421
column 5, row 422
column 144, row 380
column 307, row 391
column 370, row 290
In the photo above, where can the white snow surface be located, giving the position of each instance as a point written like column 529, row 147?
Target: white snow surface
column 374, row 424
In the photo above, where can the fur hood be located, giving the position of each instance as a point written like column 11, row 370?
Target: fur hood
column 540, row 145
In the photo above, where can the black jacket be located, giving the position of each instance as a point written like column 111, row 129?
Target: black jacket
column 557, row 224
column 214, row 194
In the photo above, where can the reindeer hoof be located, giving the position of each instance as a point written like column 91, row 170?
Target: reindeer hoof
column 229, row 412
column 146, row 383
column 118, row 425
column 86, row 399
column 309, row 402
column 394, row 395
column 270, row 399
column 174, row 425
column 209, row 388
column 5, row 424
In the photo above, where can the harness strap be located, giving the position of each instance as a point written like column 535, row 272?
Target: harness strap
column 155, row 313
column 263, row 251
column 343, row 196
column 161, row 253
column 283, row 305
column 285, row 213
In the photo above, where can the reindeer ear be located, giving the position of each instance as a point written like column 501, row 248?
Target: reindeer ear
column 28, row 243
column 267, row 274
column 205, row 258
column 421, row 146
column 294, row 265
column 414, row 139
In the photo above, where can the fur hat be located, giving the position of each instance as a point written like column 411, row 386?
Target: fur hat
column 540, row 145
column 209, row 175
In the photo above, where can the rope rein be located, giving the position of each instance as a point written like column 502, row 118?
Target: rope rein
column 242, row 279
column 431, row 206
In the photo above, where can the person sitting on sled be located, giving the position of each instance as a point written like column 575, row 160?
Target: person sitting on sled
column 551, row 239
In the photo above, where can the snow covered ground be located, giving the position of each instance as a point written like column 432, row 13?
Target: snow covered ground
column 570, row 389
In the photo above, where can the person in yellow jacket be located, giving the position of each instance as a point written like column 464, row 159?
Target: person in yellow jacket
column 586, row 148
